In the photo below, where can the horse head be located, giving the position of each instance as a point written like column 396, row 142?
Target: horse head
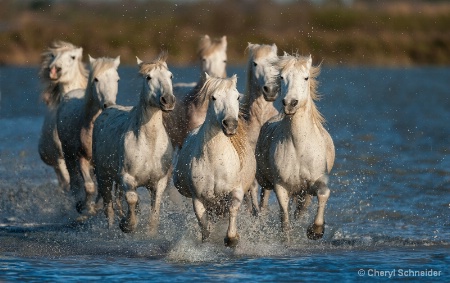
column 213, row 56
column 223, row 102
column 157, row 83
column 104, row 80
column 294, row 80
column 262, row 71
column 62, row 61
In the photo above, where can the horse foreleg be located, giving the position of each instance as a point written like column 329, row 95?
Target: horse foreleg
column 62, row 174
column 156, row 198
column 253, row 192
column 202, row 217
column 264, row 202
column 89, row 186
column 316, row 230
column 129, row 222
column 232, row 238
column 118, row 195
column 283, row 201
column 75, row 182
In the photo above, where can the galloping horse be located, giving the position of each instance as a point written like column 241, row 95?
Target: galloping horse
column 294, row 152
column 189, row 113
column 131, row 147
column 61, row 71
column 261, row 90
column 216, row 164
column 75, row 122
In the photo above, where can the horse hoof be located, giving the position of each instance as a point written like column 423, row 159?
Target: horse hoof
column 79, row 206
column 315, row 232
column 126, row 227
column 231, row 242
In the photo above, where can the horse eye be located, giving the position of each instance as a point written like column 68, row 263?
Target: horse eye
column 203, row 59
column 73, row 57
column 213, row 98
column 306, row 78
column 95, row 79
column 148, row 78
column 225, row 61
column 171, row 77
column 254, row 64
column 281, row 78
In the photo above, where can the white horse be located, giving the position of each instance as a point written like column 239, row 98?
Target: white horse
column 61, row 71
column 261, row 90
column 75, row 122
column 216, row 164
column 294, row 151
column 189, row 113
column 131, row 146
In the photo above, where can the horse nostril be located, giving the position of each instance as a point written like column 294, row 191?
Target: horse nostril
column 294, row 102
column 225, row 123
column 163, row 100
column 105, row 106
column 58, row 69
column 265, row 88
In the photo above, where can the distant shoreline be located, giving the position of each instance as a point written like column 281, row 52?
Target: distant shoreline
column 386, row 33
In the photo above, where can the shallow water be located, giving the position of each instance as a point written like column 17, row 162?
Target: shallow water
column 388, row 213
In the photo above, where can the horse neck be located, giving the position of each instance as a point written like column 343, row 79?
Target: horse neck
column 303, row 122
column 257, row 109
column 91, row 108
column 210, row 130
column 147, row 117
column 79, row 81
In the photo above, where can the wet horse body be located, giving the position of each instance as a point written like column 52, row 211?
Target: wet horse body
column 216, row 164
column 294, row 151
column 75, row 121
column 61, row 71
column 132, row 147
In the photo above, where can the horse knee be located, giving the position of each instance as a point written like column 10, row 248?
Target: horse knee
column 131, row 197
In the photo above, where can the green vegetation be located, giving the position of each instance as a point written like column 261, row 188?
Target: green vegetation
column 366, row 33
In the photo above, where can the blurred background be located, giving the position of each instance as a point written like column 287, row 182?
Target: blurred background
column 339, row 32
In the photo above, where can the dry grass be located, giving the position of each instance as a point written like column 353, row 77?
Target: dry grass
column 367, row 33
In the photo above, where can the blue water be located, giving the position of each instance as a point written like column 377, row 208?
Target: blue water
column 388, row 213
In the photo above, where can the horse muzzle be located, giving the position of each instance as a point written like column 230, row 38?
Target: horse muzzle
column 167, row 103
column 290, row 107
column 270, row 93
column 229, row 126
column 54, row 73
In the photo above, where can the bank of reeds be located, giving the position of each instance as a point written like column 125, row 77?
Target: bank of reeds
column 365, row 33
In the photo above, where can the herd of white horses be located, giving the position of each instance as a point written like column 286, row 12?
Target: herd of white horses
column 219, row 147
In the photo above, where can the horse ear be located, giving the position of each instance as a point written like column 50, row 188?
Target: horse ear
column 117, row 62
column 91, row 60
column 309, row 62
column 224, row 40
column 234, row 79
column 79, row 52
column 274, row 48
column 139, row 61
column 207, row 76
column 285, row 54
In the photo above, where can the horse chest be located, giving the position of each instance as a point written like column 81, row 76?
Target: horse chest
column 294, row 161
column 215, row 171
column 145, row 158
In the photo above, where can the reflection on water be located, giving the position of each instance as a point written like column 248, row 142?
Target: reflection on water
column 390, row 193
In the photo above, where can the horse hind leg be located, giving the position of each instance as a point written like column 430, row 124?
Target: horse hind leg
column 156, row 198
column 105, row 190
column 317, row 229
column 202, row 218
column 301, row 202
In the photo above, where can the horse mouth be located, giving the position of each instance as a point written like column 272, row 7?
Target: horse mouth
column 167, row 108
column 289, row 111
column 270, row 98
